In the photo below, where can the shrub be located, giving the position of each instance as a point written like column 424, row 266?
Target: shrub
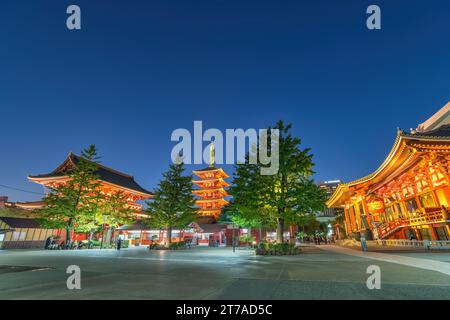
column 277, row 249
column 125, row 243
column 172, row 246
column 247, row 239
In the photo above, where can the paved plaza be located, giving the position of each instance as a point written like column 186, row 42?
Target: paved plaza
column 327, row 272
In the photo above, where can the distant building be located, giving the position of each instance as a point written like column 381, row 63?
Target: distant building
column 18, row 229
column 24, row 233
column 3, row 201
column 328, row 214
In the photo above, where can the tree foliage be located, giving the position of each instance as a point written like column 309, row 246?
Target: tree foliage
column 173, row 202
column 68, row 204
column 283, row 197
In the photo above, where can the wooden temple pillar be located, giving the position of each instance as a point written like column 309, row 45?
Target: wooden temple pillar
column 346, row 221
column 367, row 216
column 367, row 213
column 433, row 232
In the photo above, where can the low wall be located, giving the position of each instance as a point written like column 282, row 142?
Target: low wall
column 348, row 243
column 399, row 243
column 39, row 244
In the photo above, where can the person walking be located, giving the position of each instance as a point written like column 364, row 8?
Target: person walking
column 119, row 243
column 363, row 242
column 48, row 242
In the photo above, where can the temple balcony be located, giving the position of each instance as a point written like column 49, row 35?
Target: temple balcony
column 423, row 217
column 429, row 215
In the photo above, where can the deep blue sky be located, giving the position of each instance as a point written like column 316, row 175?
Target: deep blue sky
column 140, row 69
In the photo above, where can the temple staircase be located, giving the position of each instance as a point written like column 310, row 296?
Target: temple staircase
column 390, row 228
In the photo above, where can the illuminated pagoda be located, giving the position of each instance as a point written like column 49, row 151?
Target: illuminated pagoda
column 408, row 196
column 211, row 190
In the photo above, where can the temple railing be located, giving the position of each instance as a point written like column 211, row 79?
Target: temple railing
column 426, row 244
column 430, row 215
column 398, row 244
column 427, row 216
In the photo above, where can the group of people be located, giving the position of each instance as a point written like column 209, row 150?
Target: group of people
column 321, row 240
column 53, row 243
column 318, row 240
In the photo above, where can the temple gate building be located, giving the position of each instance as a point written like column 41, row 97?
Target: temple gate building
column 408, row 196
column 111, row 181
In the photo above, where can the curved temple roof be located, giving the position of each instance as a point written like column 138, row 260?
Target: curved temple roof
column 434, row 133
column 106, row 174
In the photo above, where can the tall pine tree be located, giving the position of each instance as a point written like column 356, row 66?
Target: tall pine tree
column 173, row 203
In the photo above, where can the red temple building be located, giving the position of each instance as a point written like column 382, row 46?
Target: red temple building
column 408, row 196
column 111, row 181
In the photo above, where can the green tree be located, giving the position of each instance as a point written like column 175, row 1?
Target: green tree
column 310, row 226
column 117, row 211
column 340, row 221
column 310, row 199
column 248, row 208
column 173, row 203
column 102, row 208
column 68, row 204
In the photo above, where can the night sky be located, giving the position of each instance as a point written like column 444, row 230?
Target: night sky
column 140, row 69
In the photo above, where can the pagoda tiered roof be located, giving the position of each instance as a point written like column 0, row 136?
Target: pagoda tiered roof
column 211, row 173
column 221, row 201
column 212, row 214
column 211, row 191
column 206, row 192
column 211, row 183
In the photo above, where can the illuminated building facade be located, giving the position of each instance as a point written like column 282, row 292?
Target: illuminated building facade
column 111, row 181
column 408, row 196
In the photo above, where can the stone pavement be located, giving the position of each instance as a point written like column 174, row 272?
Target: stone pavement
column 421, row 263
column 212, row 273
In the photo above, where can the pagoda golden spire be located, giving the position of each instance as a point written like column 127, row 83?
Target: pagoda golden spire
column 212, row 154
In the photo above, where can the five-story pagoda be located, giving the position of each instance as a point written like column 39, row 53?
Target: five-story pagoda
column 211, row 190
